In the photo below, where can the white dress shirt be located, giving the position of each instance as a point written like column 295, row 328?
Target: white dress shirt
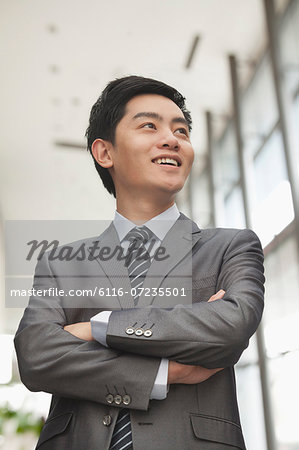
column 159, row 225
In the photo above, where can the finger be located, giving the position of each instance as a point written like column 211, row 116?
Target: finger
column 219, row 295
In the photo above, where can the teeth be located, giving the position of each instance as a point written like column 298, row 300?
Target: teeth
column 166, row 160
column 172, row 161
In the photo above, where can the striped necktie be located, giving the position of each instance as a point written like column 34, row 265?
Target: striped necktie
column 138, row 259
column 138, row 262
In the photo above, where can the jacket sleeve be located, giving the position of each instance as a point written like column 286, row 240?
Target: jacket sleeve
column 52, row 360
column 211, row 334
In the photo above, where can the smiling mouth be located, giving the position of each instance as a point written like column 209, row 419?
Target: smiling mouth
column 166, row 162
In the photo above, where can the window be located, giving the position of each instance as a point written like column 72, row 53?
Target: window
column 273, row 207
column 226, row 162
column 259, row 108
column 289, row 38
column 201, row 199
column 234, row 209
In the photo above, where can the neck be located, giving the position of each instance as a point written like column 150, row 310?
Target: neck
column 142, row 209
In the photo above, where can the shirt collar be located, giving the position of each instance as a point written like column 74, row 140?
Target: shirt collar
column 159, row 225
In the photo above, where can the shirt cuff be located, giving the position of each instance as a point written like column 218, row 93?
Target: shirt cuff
column 99, row 325
column 160, row 388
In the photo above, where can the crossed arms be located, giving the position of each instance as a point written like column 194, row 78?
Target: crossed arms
column 208, row 334
column 177, row 373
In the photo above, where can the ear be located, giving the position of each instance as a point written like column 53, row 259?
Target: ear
column 101, row 151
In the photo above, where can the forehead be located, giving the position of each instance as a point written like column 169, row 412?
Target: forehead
column 152, row 103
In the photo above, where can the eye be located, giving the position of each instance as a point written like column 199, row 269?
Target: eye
column 182, row 131
column 149, row 125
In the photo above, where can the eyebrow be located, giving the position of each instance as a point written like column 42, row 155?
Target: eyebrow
column 153, row 115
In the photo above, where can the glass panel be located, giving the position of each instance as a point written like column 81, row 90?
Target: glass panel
column 251, row 408
column 289, row 38
column 281, row 320
column 295, row 117
column 285, row 400
column 226, row 162
column 281, row 316
column 200, row 199
column 273, row 208
column 259, row 108
column 234, row 209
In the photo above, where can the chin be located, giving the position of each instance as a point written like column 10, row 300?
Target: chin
column 172, row 188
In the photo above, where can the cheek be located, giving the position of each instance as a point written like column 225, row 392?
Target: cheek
column 191, row 152
column 191, row 157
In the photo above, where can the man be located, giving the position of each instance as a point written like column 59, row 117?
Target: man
column 139, row 367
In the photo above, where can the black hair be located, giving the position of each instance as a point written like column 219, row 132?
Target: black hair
column 110, row 107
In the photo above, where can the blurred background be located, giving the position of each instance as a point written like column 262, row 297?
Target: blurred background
column 237, row 63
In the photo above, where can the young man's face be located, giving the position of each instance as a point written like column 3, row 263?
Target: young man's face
column 152, row 128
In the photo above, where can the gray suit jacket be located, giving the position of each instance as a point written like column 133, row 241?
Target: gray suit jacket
column 89, row 382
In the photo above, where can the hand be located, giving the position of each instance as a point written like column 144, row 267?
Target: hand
column 81, row 330
column 185, row 374
column 218, row 296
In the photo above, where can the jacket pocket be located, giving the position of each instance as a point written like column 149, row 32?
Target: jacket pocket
column 54, row 427
column 217, row 430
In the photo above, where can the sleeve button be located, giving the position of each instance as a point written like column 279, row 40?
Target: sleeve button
column 109, row 398
column 118, row 399
column 126, row 399
column 148, row 333
column 139, row 332
column 130, row 330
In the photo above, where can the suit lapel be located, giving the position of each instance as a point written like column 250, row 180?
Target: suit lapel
column 114, row 268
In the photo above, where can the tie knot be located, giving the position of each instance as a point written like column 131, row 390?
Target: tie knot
column 140, row 234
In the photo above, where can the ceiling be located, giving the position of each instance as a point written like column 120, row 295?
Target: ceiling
column 56, row 58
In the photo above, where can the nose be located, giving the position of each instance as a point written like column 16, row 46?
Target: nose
column 169, row 141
